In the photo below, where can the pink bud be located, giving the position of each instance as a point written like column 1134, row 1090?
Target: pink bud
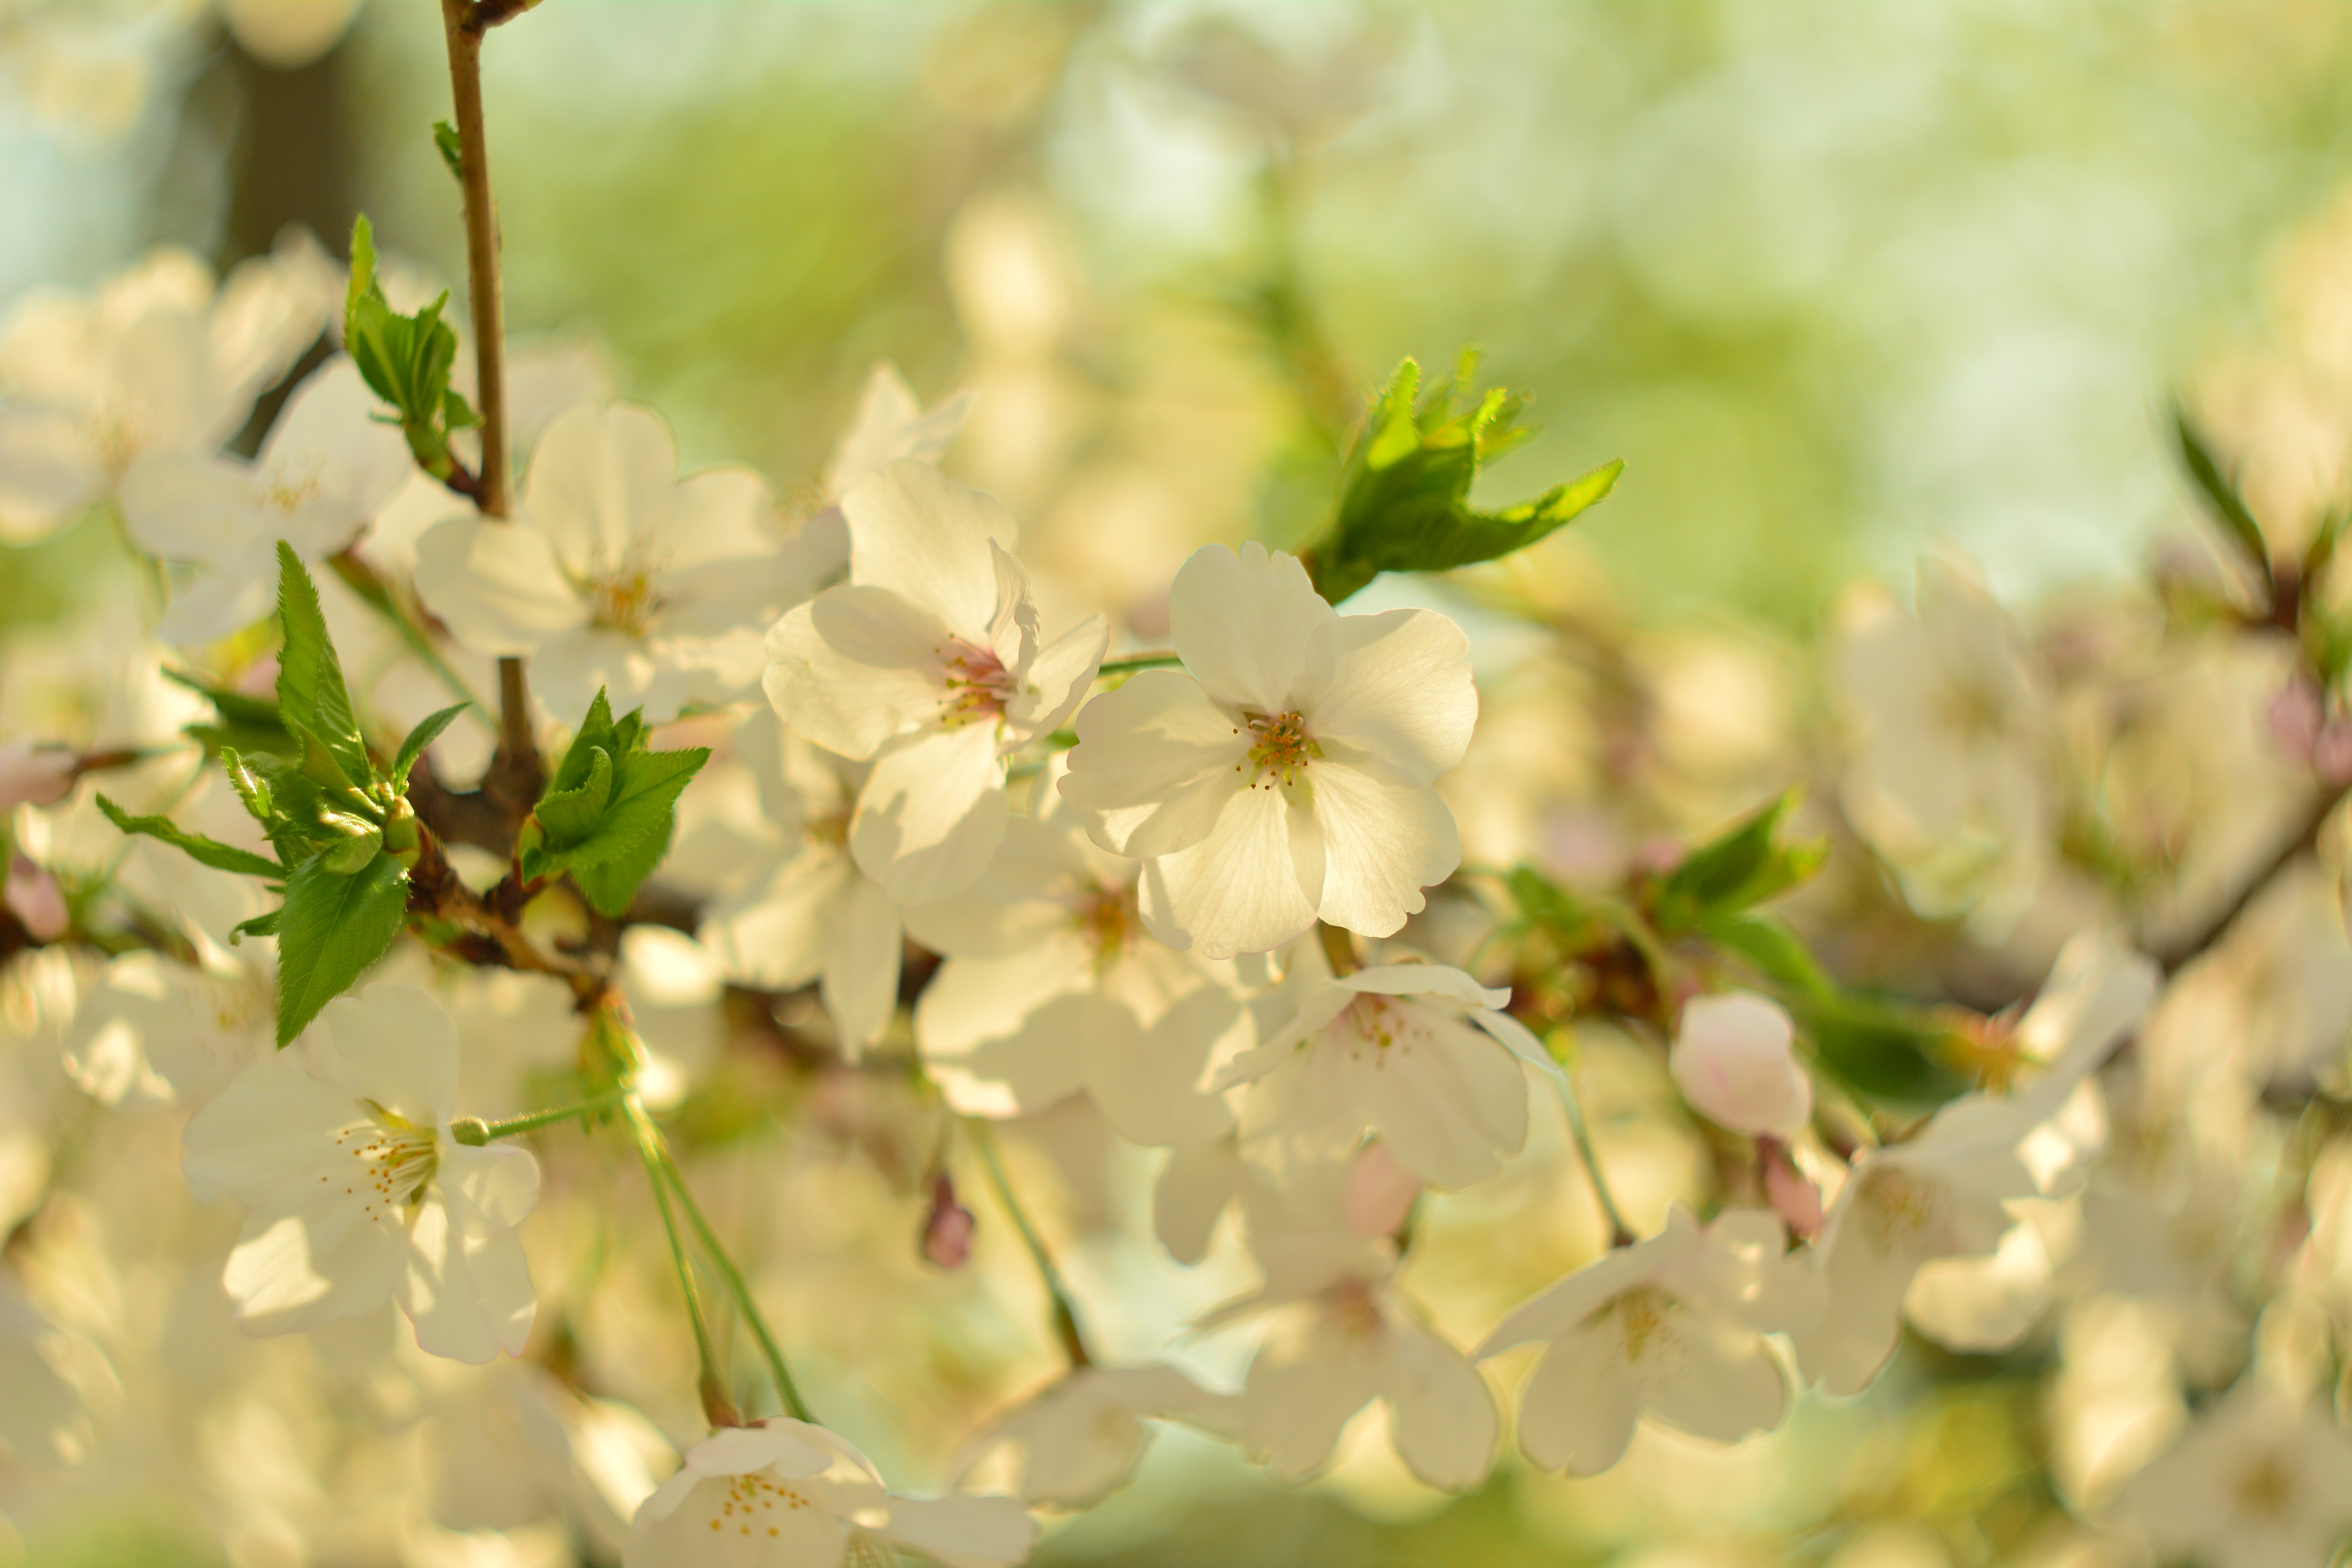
column 36, row 900
column 1792, row 1195
column 1733, row 1063
column 2293, row 716
column 1380, row 1192
column 35, row 776
column 2331, row 754
column 946, row 1229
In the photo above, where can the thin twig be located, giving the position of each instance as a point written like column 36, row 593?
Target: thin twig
column 2304, row 840
column 716, row 1403
column 1619, row 1233
column 737, row 1286
column 1066, row 1315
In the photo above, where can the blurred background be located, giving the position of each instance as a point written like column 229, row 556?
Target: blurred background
column 1840, row 283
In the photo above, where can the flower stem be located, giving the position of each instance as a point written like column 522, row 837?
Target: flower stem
column 649, row 1137
column 377, row 596
column 476, row 1132
column 1619, row 1233
column 1120, row 665
column 1066, row 1316
column 715, row 1400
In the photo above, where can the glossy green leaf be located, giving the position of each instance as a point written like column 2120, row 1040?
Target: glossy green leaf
column 205, row 851
column 332, row 927
column 311, row 692
column 424, row 735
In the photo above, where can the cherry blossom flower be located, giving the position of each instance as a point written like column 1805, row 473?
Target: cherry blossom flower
column 1672, row 1327
column 1053, row 986
column 1082, row 1435
column 41, row 1411
column 1945, row 1191
column 157, row 361
column 787, row 1493
column 325, row 473
column 357, row 1193
column 1285, row 774
column 929, row 663
column 799, row 908
column 617, row 573
column 1339, row 1335
column 1416, row 1053
column 2261, row 1479
column 157, row 1032
column 892, row 424
column 1732, row 1060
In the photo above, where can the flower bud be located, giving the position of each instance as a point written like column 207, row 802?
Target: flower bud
column 1791, row 1192
column 35, row 897
column 35, row 776
column 1733, row 1063
column 946, row 1229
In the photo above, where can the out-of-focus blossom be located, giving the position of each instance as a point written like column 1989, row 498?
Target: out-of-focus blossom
column 1416, row 1053
column 617, row 573
column 158, row 361
column 1285, row 774
column 1052, row 986
column 799, row 908
column 787, row 1494
column 325, row 473
column 1081, row 1436
column 1731, row 1059
column 2259, row 1481
column 158, row 1032
column 931, row 663
column 41, row 1412
column 34, row 775
column 33, row 895
column 1949, row 777
column 892, row 424
column 1340, row 1334
column 88, row 64
column 1671, row 1327
column 288, row 34
column 356, row 1192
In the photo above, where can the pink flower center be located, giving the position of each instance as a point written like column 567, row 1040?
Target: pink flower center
column 975, row 685
column 1280, row 748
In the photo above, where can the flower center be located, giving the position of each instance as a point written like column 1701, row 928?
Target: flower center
column 975, row 685
column 750, row 1505
column 1643, row 1316
column 2265, row 1488
column 398, row 1159
column 1279, row 746
column 119, row 438
column 1107, row 918
column 623, row 601
column 830, row 831
column 1900, row 1209
column 1349, row 1309
column 284, row 491
column 1380, row 1023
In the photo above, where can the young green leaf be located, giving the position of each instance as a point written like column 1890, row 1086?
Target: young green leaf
column 1745, row 865
column 405, row 360
column 2223, row 493
column 333, row 925
column 445, row 137
column 1405, row 497
column 260, row 804
column 311, row 692
column 607, row 815
column 424, row 735
column 259, row 925
column 612, row 885
column 205, row 851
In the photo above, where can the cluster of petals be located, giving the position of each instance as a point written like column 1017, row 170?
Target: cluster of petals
column 931, row 663
column 1284, row 775
column 356, row 1193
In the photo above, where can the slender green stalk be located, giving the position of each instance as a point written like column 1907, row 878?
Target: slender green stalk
column 473, row 1130
column 650, row 1152
column 1066, row 1316
column 650, row 1137
column 1126, row 662
column 372, row 592
column 1619, row 1233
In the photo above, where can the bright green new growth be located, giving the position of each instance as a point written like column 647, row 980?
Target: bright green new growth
column 406, row 360
column 608, row 812
column 1404, row 493
column 1746, row 865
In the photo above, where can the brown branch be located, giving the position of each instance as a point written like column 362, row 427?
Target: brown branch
column 491, row 936
column 2304, row 839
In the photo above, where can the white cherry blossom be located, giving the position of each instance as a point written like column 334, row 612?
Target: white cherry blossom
column 1082, row 1435
column 1339, row 1334
column 1284, row 775
column 1416, row 1053
column 158, row 360
column 157, row 1032
column 1731, row 1059
column 1053, row 986
column 891, row 423
column 1671, row 1328
column 325, row 473
column 800, row 909
column 792, row 1495
column 340, row 1149
column 42, row 1415
column 2259, row 1481
column 931, row 663
column 617, row 573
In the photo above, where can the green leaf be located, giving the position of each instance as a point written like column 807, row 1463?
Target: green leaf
column 250, row 787
column 294, row 830
column 1883, row 1049
column 259, row 925
column 596, row 734
column 608, row 812
column 1404, row 496
column 610, row 887
column 445, row 137
column 311, row 692
column 424, row 735
column 1745, row 865
column 2222, row 492
column 247, row 724
column 1766, row 944
column 205, row 851
column 405, row 360
column 331, row 928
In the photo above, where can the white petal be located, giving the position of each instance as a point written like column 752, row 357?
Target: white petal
column 932, row 813
column 716, row 517
column 856, row 668
column 185, row 506
column 1055, row 680
column 1424, row 979
column 48, row 469
column 1192, row 1192
column 1008, row 1036
column 292, row 1272
column 224, row 601
column 1396, row 686
column 1448, row 1100
column 1156, row 763
column 863, row 952
column 1723, row 1385
column 1242, row 624
column 1385, row 838
column 1029, row 893
column 1238, row 889
column 776, row 934
column 500, row 1185
column 1444, row 1421
column 600, row 480
column 1578, row 1410
column 1301, row 1391
column 1148, row 1081
column 497, row 586
column 439, row 1293
column 396, row 1047
column 964, row 1532
column 268, row 1136
column 926, row 538
column 569, row 668
column 680, row 1534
